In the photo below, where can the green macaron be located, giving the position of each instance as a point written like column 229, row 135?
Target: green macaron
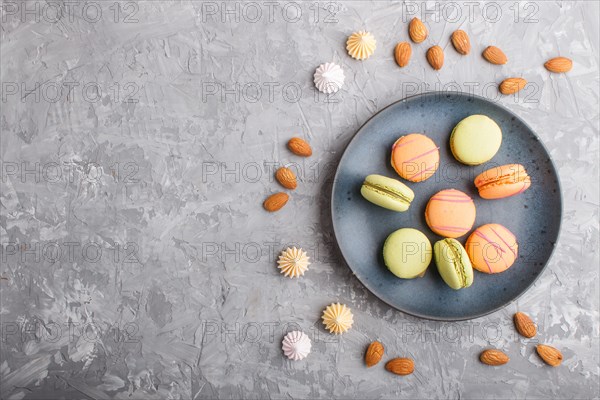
column 387, row 192
column 475, row 140
column 453, row 263
column 407, row 253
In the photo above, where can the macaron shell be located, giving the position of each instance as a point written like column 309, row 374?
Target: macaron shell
column 383, row 200
column 503, row 190
column 492, row 248
column 503, row 181
column 475, row 140
column 376, row 190
column 407, row 253
column 415, row 157
column 450, row 213
column 453, row 263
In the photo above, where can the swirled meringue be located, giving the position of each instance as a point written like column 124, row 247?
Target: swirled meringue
column 361, row 45
column 293, row 262
column 296, row 345
column 337, row 318
column 329, row 78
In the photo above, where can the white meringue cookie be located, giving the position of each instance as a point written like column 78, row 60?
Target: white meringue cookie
column 329, row 78
column 296, row 345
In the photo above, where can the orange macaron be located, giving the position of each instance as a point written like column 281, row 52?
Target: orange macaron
column 450, row 213
column 503, row 181
column 415, row 157
column 492, row 248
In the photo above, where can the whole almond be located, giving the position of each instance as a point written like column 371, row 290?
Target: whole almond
column 400, row 366
column 374, row 354
column 493, row 357
column 524, row 325
column 435, row 57
column 402, row 53
column 512, row 85
column 461, row 42
column 559, row 65
column 276, row 201
column 417, row 30
column 299, row 147
column 286, row 178
column 494, row 55
column 549, row 354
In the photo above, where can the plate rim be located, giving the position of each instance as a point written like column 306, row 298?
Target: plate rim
column 485, row 100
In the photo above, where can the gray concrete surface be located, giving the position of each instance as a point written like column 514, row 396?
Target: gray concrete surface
column 139, row 141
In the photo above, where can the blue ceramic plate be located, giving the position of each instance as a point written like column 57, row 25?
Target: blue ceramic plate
column 361, row 227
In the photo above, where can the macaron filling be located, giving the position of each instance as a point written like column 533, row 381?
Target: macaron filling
column 459, row 266
column 388, row 191
column 502, row 180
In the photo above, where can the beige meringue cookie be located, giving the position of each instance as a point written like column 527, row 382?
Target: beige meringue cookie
column 337, row 318
column 293, row 262
column 296, row 345
column 361, row 45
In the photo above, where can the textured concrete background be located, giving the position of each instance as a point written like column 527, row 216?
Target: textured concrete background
column 139, row 140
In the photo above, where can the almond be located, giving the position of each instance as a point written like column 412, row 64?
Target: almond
column 549, row 354
column 400, row 366
column 559, row 64
column 435, row 57
column 493, row 357
column 286, row 177
column 374, row 354
column 524, row 325
column 461, row 42
column 512, row 85
column 402, row 53
column 299, row 147
column 417, row 30
column 494, row 55
column 276, row 201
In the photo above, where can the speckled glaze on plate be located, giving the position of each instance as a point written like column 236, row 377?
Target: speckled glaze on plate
column 361, row 227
